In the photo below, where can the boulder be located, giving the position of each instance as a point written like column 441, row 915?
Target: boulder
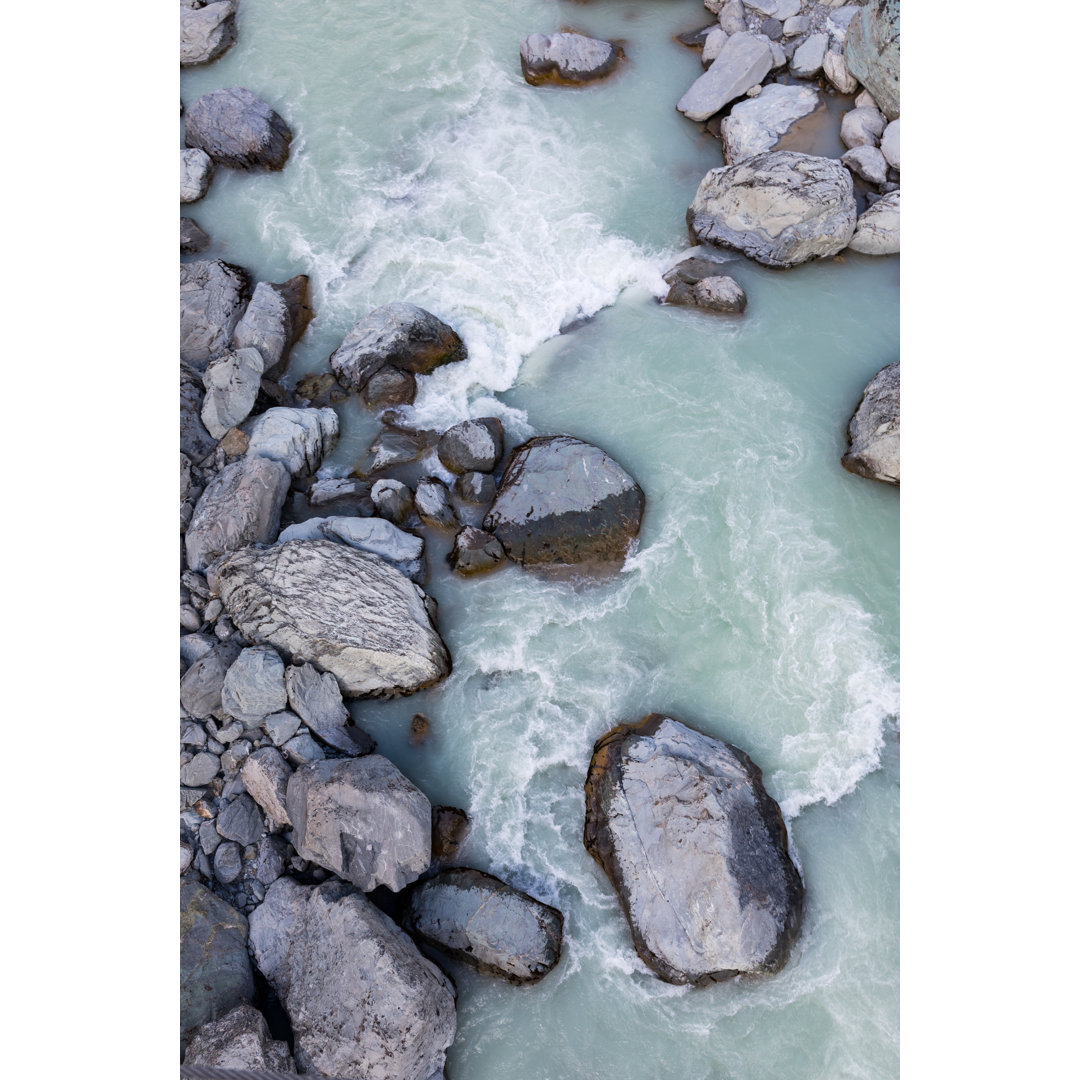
column 241, row 821
column 297, row 438
column 206, row 32
column 475, row 551
column 874, row 430
column 315, row 697
column 730, row 14
column 491, row 926
column 567, row 58
column 872, row 52
column 238, row 130
column 565, row 503
column 395, row 445
column 346, row 611
column 869, row 163
column 756, row 125
column 266, row 774
column 254, row 686
column 362, row 1001
column 401, row 335
column 877, row 231
column 212, row 298
column 362, row 819
column 393, row 500
column 201, row 686
column 432, row 501
column 239, row 1040
column 836, row 71
column 200, row 770
column 196, row 172
column 809, row 56
column 796, row 25
column 780, row 208
column 195, row 441
column 743, row 61
column 839, row 20
column 232, row 384
column 192, row 238
column 695, row 849
column 861, row 127
column 400, row 549
column 267, row 326
column 890, row 144
column 240, row 506
column 712, row 45
column 472, row 445
column 390, row 386
column 215, row 973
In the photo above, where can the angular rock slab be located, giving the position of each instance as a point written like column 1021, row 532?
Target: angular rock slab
column 207, row 32
column 566, row 58
column 239, row 1040
column 238, row 130
column 254, row 686
column 872, row 52
column 345, row 611
column 877, row 232
column 215, row 973
column 362, row 1001
column 267, row 326
column 564, row 502
column 362, row 819
column 743, row 61
column 195, row 441
column 757, row 124
column 491, row 926
column 212, row 298
column 475, row 551
column 696, row 850
column 780, row 208
column 874, row 430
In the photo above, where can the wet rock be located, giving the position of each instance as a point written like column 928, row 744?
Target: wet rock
column 254, row 685
column 389, row 386
column 346, row 611
column 212, row 298
column 695, row 849
column 757, row 125
column 780, row 208
column 491, row 926
column 326, row 492
column 232, row 385
column 241, row 821
column 890, row 144
column 239, row 1040
column 215, row 973
column 695, row 39
column 874, row 430
column 400, row 549
column 773, row 29
column 743, row 61
column 402, row 335
column 475, row 551
column 393, row 500
column 419, row 730
column 809, row 56
column 196, row 172
column 206, row 32
column 861, row 127
column 320, row 390
column 267, row 326
column 361, row 819
column 566, row 58
column 877, row 231
column 398, row 446
column 298, row 438
column 836, row 71
column 362, row 1000
column 449, row 827
column 475, row 492
column 696, row 282
column 472, row 445
column 192, row 238
column 432, row 501
column 872, row 52
column 238, row 130
column 867, row 162
column 241, row 505
column 200, row 688
column 563, row 502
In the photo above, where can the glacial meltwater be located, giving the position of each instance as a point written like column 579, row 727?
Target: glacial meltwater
column 761, row 604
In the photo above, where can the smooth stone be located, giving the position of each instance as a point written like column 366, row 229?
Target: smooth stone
column 721, row 294
column 232, row 385
column 472, row 445
column 484, row 922
column 861, row 127
column 324, row 492
column 742, row 63
column 192, row 238
column 398, row 446
column 714, row 42
column 298, row 438
column 836, row 71
column 796, row 25
column 267, row 327
column 361, row 819
column 757, row 125
column 393, row 500
column 696, row 282
column 432, row 501
column 890, row 144
column 266, row 777
column 390, row 386
column 773, row 29
column 878, row 229
column 212, row 298
column 361, row 999
column 872, row 52
column 239, row 1040
column 867, row 162
column 402, row 550
column 695, row 849
column 282, row 726
column 241, row 821
column 874, row 429
column 809, row 56
column 566, row 58
column 206, row 32
column 200, row 770
column 254, row 685
column 344, row 610
column 196, row 172
column 200, row 688
column 475, row 551
column 780, row 208
column 762, row 7
column 195, row 441
column 238, row 130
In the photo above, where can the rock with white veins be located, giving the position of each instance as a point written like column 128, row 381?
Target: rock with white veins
column 196, row 172
column 298, row 438
column 254, row 686
column 566, row 58
column 874, row 430
column 780, row 208
column 206, row 32
column 756, row 125
column 362, row 819
column 836, row 71
column 346, row 611
column 238, row 130
column 232, row 385
column 696, row 850
column 239, row 1040
column 212, row 298
column 361, row 999
column 742, row 62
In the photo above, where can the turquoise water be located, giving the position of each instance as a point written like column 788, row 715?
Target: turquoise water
column 762, row 602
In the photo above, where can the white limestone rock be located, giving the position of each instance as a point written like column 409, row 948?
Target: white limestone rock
column 890, row 144
column 206, row 32
column 836, row 71
column 809, row 56
column 867, row 162
column 861, row 127
column 874, row 430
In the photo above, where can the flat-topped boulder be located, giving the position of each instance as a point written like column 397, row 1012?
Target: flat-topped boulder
column 567, row 58
column 563, row 502
column 780, row 208
column 491, row 926
column 874, row 430
column 877, row 232
column 346, row 611
column 757, row 124
column 361, row 999
column 213, row 295
column 232, row 385
column 742, row 62
column 872, row 52
column 238, row 130
column 206, row 32
column 695, row 849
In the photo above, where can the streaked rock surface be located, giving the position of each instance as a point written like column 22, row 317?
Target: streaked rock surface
column 239, row 1040
column 877, row 231
column 232, row 385
column 874, row 430
column 756, row 125
column 212, row 299
column 402, row 550
column 872, row 52
column 298, row 438
column 206, row 32
column 196, row 172
column 238, row 130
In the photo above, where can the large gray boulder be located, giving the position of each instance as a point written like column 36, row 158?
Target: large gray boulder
column 212, row 298
column 698, row 282
column 316, row 698
column 401, row 335
column 874, row 430
column 877, row 232
column 472, row 445
column 195, row 441
column 196, row 172
column 872, row 52
column 298, row 438
column 567, row 58
column 757, row 124
column 565, row 503
column 240, row 506
column 239, row 1040
column 238, row 130
column 362, row 1001
column 780, row 208
column 362, row 819
column 743, row 61
column 695, row 849
column 232, row 384
column 491, row 926
column 206, row 32
column 345, row 611
column 266, row 326
column 402, row 550
column 215, row 973
column 432, row 502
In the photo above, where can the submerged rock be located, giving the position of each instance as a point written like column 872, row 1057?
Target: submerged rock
column 239, row 1040
column 780, row 208
column 196, row 172
column 696, row 282
column 432, row 501
column 206, row 32
column 756, row 125
column 361, row 999
column 390, row 386
column 567, row 58
column 877, row 231
column 491, row 926
column 346, row 611
column 874, row 430
column 238, row 130
column 695, row 849
column 742, row 62
column 872, row 52
column 212, row 298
